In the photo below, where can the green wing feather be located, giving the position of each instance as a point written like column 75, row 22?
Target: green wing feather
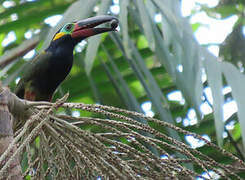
column 35, row 67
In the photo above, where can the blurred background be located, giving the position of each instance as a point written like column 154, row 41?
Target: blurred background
column 181, row 61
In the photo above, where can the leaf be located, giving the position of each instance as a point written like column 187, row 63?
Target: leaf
column 184, row 54
column 214, row 76
column 22, row 8
column 152, row 90
column 162, row 51
column 152, row 10
column 115, row 83
column 131, row 101
column 146, row 24
column 32, row 18
column 94, row 42
column 173, row 20
column 236, row 81
column 123, row 17
column 224, row 10
column 3, row 72
column 12, row 76
column 189, row 79
column 195, row 26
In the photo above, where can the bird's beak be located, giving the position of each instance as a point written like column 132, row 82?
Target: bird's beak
column 87, row 27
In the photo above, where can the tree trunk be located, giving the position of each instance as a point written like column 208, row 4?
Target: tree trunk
column 13, row 171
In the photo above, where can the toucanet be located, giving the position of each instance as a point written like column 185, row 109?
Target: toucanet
column 47, row 70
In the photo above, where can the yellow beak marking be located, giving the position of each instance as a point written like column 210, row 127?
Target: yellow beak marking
column 58, row 35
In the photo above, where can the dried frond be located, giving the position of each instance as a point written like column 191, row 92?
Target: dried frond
column 109, row 144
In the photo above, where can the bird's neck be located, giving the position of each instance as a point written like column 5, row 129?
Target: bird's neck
column 61, row 56
column 61, row 49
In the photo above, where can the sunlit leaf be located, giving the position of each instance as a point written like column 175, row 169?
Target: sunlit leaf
column 237, row 82
column 214, row 75
column 93, row 42
column 146, row 23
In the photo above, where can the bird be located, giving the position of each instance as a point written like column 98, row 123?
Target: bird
column 47, row 70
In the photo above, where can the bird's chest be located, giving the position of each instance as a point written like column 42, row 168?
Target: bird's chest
column 60, row 65
column 56, row 71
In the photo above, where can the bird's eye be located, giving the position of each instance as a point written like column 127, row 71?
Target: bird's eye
column 69, row 27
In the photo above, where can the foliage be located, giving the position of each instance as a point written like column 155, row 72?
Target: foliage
column 61, row 147
column 144, row 61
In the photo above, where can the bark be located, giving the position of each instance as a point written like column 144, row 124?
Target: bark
column 13, row 114
column 13, row 172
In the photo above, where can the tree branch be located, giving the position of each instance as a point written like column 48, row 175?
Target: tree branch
column 19, row 51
